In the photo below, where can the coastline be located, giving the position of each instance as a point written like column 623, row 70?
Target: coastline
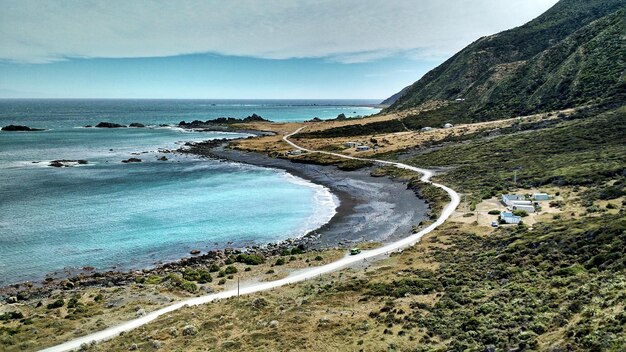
column 371, row 209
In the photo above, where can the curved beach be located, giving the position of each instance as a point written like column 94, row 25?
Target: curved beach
column 296, row 277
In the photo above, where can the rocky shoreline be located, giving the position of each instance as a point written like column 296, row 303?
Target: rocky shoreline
column 371, row 209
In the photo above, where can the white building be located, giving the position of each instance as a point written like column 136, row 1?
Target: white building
column 541, row 196
column 526, row 208
column 350, row 144
column 448, row 125
column 509, row 218
column 507, row 199
column 362, row 148
column 426, row 129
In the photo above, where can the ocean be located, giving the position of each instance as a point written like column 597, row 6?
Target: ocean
column 112, row 215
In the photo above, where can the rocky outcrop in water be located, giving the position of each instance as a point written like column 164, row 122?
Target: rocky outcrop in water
column 132, row 160
column 67, row 163
column 222, row 121
column 137, row 124
column 18, row 128
column 109, row 125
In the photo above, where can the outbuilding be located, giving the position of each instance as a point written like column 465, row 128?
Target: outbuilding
column 448, row 125
column 362, row 148
column 509, row 218
column 541, row 196
column 526, row 208
column 507, row 199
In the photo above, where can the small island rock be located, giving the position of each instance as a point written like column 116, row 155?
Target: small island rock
column 109, row 125
column 131, row 160
column 18, row 128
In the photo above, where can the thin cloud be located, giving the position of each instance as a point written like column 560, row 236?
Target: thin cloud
column 350, row 31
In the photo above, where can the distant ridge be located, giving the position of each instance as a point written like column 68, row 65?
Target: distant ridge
column 573, row 54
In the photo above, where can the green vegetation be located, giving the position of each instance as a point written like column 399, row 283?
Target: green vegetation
column 250, row 259
column 56, row 304
column 513, row 289
column 584, row 152
column 356, row 130
column 569, row 56
column 325, row 159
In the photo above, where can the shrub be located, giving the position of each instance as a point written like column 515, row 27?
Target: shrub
column 153, row 280
column 494, row 212
column 204, row 277
column 296, row 251
column 230, row 270
column 191, row 275
column 214, row 268
column 11, row 315
column 247, row 269
column 221, row 282
column 319, row 258
column 99, row 297
column 280, row 261
column 221, row 273
column 56, row 304
column 189, row 286
column 251, row 259
column 271, row 271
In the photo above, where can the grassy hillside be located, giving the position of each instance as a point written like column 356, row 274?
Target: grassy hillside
column 587, row 151
column 571, row 55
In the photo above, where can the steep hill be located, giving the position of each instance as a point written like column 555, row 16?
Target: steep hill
column 573, row 54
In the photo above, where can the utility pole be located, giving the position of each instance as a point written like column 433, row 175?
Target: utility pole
column 237, row 286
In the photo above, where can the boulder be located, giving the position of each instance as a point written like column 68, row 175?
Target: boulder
column 18, row 128
column 109, row 125
column 136, row 124
column 163, row 158
column 189, row 330
column 195, row 252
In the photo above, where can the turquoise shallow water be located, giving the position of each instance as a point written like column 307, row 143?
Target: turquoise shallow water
column 108, row 214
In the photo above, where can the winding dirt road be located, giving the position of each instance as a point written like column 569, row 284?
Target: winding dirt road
column 299, row 276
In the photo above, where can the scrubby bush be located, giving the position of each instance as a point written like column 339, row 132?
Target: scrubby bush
column 221, row 282
column 56, row 304
column 494, row 212
column 204, row 277
column 251, row 259
column 280, row 261
column 230, row 270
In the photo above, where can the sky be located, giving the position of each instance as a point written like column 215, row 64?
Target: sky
column 238, row 49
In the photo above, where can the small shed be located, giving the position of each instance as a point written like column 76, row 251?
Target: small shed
column 541, row 196
column 509, row 218
column 426, row 129
column 508, row 198
column 526, row 208
column 448, row 125
column 515, row 203
column 362, row 148
column 295, row 152
column 350, row 144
